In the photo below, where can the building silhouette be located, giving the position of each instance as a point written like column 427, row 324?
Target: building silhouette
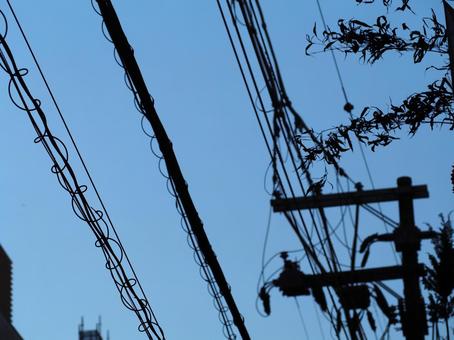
column 94, row 334
column 7, row 330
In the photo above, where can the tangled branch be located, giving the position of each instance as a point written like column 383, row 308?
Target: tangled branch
column 373, row 41
column 387, row 3
column 377, row 128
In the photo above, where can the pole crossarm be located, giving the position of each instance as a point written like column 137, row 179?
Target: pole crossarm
column 406, row 236
column 348, row 198
column 292, row 284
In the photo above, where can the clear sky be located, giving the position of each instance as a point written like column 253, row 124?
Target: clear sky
column 188, row 64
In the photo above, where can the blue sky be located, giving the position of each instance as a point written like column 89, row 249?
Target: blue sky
column 189, row 67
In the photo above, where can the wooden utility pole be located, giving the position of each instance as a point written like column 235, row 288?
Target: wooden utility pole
column 408, row 242
column 406, row 237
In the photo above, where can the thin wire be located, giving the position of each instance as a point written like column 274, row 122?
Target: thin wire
column 263, row 56
column 279, row 180
column 298, row 307
column 339, row 76
column 279, row 85
column 363, row 155
column 318, row 320
column 258, row 91
column 387, row 220
column 98, row 195
column 252, row 31
column 265, row 242
column 81, row 207
column 389, row 290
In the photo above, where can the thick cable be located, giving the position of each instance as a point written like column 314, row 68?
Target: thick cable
column 146, row 105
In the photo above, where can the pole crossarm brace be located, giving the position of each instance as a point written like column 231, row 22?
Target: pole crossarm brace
column 298, row 282
column 348, row 198
column 126, row 55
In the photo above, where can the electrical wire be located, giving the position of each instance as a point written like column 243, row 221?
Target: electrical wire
column 68, row 131
column 324, row 219
column 124, row 277
column 204, row 256
column 282, row 108
column 333, row 56
column 273, row 153
column 349, row 109
column 318, row 321
column 282, row 124
column 300, row 314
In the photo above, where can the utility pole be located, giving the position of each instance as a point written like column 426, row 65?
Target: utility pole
column 408, row 243
column 406, row 237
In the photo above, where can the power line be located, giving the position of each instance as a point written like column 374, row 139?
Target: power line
column 275, row 153
column 179, row 187
column 280, row 125
column 300, row 314
column 124, row 277
column 349, row 107
column 65, row 124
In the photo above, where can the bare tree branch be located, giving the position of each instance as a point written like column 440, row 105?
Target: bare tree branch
column 373, row 127
column 372, row 41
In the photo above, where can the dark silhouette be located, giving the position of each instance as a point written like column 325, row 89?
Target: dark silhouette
column 350, row 286
column 213, row 274
column 374, row 127
column 94, row 334
column 439, row 279
column 7, row 330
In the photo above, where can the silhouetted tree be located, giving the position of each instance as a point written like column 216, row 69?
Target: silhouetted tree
column 439, row 279
column 371, row 41
column 376, row 127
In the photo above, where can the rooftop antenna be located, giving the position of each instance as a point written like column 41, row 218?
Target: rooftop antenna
column 98, row 325
column 81, row 326
column 93, row 334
